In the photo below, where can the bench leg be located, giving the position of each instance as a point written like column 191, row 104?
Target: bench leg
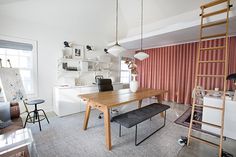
column 136, row 132
column 140, row 103
column 120, row 130
column 164, row 118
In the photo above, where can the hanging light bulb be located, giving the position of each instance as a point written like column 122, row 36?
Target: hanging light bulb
column 116, row 49
column 141, row 55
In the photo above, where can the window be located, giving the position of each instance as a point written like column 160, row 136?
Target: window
column 124, row 72
column 22, row 56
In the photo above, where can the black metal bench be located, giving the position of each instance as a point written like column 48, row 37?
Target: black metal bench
column 133, row 118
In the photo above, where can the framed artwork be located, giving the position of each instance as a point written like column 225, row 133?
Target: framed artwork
column 78, row 52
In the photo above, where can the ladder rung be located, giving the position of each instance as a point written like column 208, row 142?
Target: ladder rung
column 213, row 61
column 214, row 24
column 207, row 106
column 213, row 36
column 210, row 124
column 207, row 90
column 210, row 76
column 216, row 2
column 215, row 13
column 204, row 141
column 212, row 48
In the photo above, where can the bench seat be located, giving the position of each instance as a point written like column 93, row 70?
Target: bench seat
column 137, row 116
column 133, row 118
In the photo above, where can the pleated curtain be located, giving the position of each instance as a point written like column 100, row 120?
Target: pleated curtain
column 173, row 68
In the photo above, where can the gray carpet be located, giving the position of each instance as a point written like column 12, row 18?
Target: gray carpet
column 64, row 137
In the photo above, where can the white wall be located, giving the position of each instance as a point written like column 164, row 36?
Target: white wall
column 46, row 23
column 50, row 22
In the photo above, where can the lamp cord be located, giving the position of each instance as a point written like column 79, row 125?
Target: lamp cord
column 141, row 25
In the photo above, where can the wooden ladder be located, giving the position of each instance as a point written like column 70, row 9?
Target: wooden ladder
column 202, row 49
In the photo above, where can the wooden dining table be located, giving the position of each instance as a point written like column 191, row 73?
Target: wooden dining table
column 104, row 101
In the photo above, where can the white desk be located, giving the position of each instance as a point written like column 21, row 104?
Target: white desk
column 66, row 100
column 214, row 116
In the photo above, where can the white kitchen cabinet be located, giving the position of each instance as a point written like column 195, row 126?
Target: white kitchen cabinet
column 66, row 100
column 214, row 116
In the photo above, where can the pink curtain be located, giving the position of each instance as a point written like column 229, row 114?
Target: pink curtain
column 173, row 68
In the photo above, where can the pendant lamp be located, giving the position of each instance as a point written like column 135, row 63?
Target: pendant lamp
column 116, row 49
column 141, row 55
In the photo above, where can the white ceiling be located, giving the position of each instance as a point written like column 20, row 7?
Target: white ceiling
column 175, row 29
column 97, row 17
column 155, row 10
column 174, row 37
column 83, row 17
column 99, row 12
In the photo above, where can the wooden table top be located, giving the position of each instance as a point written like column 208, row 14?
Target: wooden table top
column 119, row 97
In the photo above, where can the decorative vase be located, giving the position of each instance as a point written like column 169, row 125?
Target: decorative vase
column 133, row 84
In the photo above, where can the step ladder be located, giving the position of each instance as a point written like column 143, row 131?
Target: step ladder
column 201, row 49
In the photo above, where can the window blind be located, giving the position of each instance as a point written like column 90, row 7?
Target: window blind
column 16, row 45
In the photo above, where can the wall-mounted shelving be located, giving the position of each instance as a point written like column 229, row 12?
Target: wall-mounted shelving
column 76, row 69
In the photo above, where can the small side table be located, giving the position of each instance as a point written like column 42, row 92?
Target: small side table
column 19, row 143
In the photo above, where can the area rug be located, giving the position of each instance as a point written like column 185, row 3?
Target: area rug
column 184, row 120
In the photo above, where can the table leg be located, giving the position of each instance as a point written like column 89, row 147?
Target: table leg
column 87, row 113
column 107, row 128
column 159, row 100
column 140, row 103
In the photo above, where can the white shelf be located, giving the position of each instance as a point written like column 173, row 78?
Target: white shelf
column 95, row 68
column 80, row 60
column 69, row 60
column 69, row 72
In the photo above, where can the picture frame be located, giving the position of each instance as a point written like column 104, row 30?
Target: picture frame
column 78, row 52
